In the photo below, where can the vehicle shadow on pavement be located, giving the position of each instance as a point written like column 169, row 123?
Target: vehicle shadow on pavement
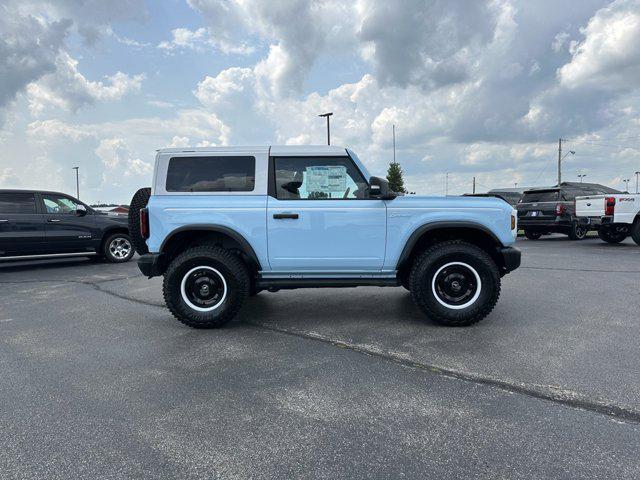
column 304, row 307
column 49, row 265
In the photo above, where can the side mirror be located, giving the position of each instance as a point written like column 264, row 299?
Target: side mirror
column 379, row 188
column 292, row 187
column 81, row 211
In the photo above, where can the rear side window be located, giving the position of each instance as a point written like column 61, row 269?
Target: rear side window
column 211, row 174
column 544, row 196
column 17, row 203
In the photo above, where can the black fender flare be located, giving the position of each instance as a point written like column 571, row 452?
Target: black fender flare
column 427, row 227
column 246, row 246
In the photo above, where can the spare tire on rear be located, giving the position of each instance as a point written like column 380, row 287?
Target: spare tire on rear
column 138, row 202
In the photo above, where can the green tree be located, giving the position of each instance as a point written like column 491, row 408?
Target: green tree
column 394, row 177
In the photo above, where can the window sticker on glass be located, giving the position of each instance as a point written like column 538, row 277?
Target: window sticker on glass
column 327, row 178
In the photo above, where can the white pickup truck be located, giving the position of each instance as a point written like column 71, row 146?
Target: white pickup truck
column 615, row 216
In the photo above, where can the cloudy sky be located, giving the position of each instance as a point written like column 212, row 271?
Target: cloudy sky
column 480, row 88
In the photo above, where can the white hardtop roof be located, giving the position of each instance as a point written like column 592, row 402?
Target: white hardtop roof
column 276, row 150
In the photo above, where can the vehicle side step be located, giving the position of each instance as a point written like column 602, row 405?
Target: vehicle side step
column 291, row 283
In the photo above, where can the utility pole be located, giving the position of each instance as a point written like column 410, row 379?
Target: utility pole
column 328, row 126
column 626, row 181
column 474, row 185
column 77, row 182
column 559, row 161
column 637, row 175
column 394, row 142
column 560, row 158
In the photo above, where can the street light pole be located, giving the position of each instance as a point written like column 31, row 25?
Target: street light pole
column 328, row 126
column 77, row 183
column 581, row 176
column 637, row 175
column 626, row 181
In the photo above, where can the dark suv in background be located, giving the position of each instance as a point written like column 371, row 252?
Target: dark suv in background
column 37, row 224
column 552, row 209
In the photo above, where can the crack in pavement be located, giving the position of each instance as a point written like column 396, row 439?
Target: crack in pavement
column 564, row 397
column 581, row 269
column 550, row 393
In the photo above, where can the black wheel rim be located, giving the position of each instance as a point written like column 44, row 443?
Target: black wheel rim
column 203, row 288
column 456, row 285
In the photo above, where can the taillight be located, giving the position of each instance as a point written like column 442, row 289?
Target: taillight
column 560, row 209
column 609, row 205
column 144, row 223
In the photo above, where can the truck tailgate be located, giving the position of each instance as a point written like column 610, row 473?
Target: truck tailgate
column 590, row 206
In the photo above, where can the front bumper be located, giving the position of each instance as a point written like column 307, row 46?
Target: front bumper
column 510, row 258
column 151, row 264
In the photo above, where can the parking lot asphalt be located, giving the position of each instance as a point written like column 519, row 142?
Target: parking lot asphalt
column 98, row 380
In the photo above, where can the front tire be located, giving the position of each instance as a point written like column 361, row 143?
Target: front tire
column 205, row 287
column 117, row 248
column 610, row 236
column 455, row 283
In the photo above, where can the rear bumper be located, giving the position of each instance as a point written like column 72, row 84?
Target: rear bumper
column 510, row 258
column 151, row 264
column 551, row 225
column 595, row 222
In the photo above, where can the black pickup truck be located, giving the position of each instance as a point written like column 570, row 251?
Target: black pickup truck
column 38, row 224
column 552, row 209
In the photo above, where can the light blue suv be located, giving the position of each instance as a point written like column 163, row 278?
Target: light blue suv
column 222, row 224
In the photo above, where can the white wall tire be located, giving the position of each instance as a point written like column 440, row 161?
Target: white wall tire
column 188, row 297
column 474, row 294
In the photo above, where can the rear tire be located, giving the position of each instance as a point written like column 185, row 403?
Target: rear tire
column 578, row 232
column 455, row 283
column 138, row 202
column 205, row 286
column 532, row 235
column 635, row 231
column 611, row 237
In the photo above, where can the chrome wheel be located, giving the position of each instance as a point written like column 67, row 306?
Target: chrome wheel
column 456, row 285
column 203, row 288
column 120, row 248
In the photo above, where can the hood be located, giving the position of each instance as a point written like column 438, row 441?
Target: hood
column 423, row 201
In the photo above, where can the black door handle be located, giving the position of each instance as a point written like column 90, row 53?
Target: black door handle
column 279, row 216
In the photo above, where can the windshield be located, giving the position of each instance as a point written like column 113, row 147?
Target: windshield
column 541, row 196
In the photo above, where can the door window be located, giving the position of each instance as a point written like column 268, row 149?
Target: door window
column 17, row 203
column 56, row 204
column 318, row 178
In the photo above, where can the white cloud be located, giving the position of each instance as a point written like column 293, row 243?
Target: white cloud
column 68, row 89
column 202, row 39
column 120, row 162
column 179, row 142
column 560, row 41
column 608, row 57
